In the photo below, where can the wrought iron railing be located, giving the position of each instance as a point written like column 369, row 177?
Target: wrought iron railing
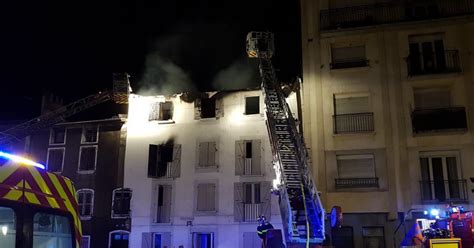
column 346, row 183
column 439, row 120
column 386, row 13
column 354, row 123
column 440, row 191
column 433, row 63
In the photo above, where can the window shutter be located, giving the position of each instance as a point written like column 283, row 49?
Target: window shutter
column 197, row 109
column 152, row 160
column 355, row 166
column 203, row 150
column 238, row 202
column 212, row 154
column 352, row 105
column 154, row 202
column 176, row 165
column 256, row 157
column 166, row 203
column 265, row 196
column 239, row 157
column 211, row 197
column 219, row 108
column 201, row 197
column 161, row 163
column 147, row 240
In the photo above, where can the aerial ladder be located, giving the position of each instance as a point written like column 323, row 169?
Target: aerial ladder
column 301, row 209
column 119, row 93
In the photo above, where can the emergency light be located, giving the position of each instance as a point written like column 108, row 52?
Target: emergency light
column 21, row 160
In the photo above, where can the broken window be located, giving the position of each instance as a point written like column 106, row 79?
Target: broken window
column 207, row 154
column 208, row 108
column 121, row 203
column 164, row 160
column 161, row 111
column 57, row 135
column 252, row 105
column 87, row 158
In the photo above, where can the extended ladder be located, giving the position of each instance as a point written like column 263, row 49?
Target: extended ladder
column 300, row 206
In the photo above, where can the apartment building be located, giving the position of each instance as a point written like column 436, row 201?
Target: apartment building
column 200, row 167
column 91, row 154
column 388, row 96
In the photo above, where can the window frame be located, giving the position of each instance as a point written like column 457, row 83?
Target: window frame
column 86, row 190
column 207, row 168
column 63, row 158
column 426, row 90
column 51, row 135
column 112, row 214
column 363, row 62
column 79, row 171
column 259, row 105
column 216, row 199
column 213, row 238
column 88, row 240
column 355, row 157
column 83, row 138
column 337, row 96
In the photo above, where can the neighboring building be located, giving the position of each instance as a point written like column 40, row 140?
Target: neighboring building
column 200, row 169
column 91, row 154
column 388, row 96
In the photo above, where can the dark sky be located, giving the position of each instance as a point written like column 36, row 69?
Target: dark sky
column 71, row 48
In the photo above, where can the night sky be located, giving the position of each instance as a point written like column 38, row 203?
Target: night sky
column 71, row 48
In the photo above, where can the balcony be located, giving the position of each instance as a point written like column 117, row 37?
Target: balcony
column 451, row 119
column 446, row 191
column 387, row 13
column 433, row 63
column 351, row 183
column 353, row 123
column 251, row 211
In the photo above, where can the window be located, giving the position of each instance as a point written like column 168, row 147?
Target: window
column 207, row 154
column 7, row 227
column 119, row 239
column 252, row 105
column 164, row 160
column 86, row 241
column 251, row 200
column 348, row 57
column 441, row 177
column 55, row 160
column 50, row 230
column 356, row 166
column 206, row 197
column 203, row 240
column 90, row 134
column 248, row 157
column 85, row 198
column 121, row 203
column 163, row 203
column 432, row 98
column 57, row 136
column 357, row 103
column 161, row 111
column 373, row 237
column 208, row 108
column 87, row 158
column 352, row 114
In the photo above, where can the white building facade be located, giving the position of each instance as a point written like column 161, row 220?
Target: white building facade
column 200, row 170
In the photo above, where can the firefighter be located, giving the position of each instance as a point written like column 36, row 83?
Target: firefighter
column 263, row 228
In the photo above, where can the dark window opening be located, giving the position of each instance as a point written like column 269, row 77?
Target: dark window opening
column 248, row 149
column 89, row 134
column 160, row 196
column 252, row 105
column 121, row 204
column 158, row 158
column 208, row 108
column 88, row 158
column 166, row 112
column 55, row 160
column 58, row 135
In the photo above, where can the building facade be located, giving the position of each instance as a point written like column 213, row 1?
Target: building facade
column 200, row 168
column 388, row 96
column 91, row 154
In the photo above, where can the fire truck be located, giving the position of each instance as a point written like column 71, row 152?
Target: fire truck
column 37, row 208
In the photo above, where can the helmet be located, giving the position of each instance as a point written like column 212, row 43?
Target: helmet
column 261, row 219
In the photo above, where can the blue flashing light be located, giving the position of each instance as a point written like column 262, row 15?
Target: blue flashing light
column 425, row 212
column 434, row 212
column 21, row 160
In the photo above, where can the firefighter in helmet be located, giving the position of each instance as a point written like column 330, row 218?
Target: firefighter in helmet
column 263, row 228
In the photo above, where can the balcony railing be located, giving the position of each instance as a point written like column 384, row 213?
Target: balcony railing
column 342, row 64
column 439, row 120
column 251, row 211
column 433, row 63
column 162, row 214
column 443, row 191
column 354, row 123
column 248, row 166
column 386, row 13
column 348, row 183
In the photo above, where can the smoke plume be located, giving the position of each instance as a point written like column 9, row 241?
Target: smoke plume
column 241, row 74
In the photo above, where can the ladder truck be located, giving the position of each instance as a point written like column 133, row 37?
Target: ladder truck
column 301, row 209
column 119, row 93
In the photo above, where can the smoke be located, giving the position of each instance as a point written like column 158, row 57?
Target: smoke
column 162, row 76
column 241, row 74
